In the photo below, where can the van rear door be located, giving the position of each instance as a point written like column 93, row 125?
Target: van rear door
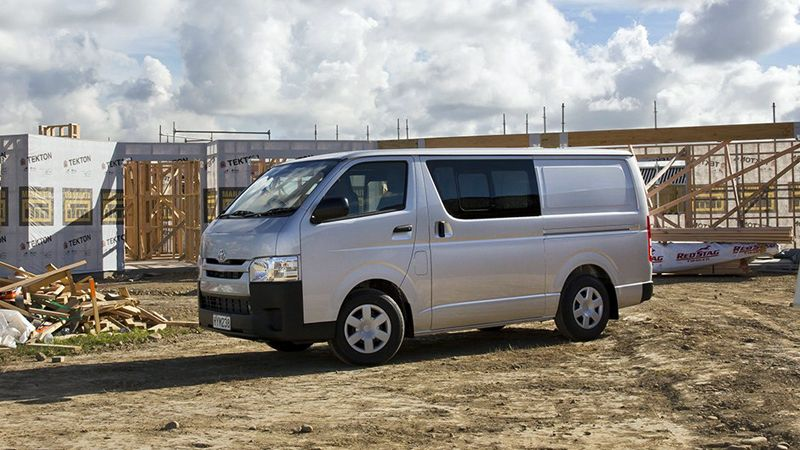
column 593, row 214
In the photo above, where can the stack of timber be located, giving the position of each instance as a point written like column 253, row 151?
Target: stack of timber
column 55, row 302
column 732, row 235
column 738, row 268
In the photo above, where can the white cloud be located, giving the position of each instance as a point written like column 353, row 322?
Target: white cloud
column 724, row 30
column 452, row 67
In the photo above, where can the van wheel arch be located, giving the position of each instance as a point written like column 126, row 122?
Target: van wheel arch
column 602, row 275
column 392, row 290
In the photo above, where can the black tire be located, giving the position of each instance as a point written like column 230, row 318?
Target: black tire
column 587, row 326
column 392, row 328
column 492, row 329
column 289, row 347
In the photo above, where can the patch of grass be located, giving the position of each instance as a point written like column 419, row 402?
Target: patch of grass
column 97, row 343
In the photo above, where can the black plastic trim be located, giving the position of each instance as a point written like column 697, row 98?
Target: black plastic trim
column 647, row 291
column 276, row 314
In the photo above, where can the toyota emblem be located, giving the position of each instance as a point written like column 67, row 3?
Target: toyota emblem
column 221, row 256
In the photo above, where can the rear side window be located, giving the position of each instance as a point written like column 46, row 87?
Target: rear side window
column 486, row 188
column 586, row 186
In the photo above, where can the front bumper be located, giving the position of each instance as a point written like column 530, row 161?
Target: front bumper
column 272, row 312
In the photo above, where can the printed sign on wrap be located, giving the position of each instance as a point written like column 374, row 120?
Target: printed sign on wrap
column 680, row 256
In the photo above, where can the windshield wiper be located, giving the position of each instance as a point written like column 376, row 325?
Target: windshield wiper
column 274, row 211
column 240, row 213
column 247, row 214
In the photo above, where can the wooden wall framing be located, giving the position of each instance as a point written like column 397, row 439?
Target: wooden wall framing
column 162, row 210
column 744, row 185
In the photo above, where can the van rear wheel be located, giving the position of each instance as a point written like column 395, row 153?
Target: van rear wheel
column 283, row 346
column 369, row 329
column 584, row 309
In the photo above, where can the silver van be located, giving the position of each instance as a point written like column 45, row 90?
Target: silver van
column 364, row 249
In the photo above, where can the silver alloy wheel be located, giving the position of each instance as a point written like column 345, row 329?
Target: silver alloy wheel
column 587, row 308
column 367, row 328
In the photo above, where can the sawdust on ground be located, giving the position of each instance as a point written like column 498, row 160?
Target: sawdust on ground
column 709, row 362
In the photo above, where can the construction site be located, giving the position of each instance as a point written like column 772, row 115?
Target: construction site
column 99, row 243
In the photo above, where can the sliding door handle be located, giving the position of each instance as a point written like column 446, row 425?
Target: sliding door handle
column 441, row 228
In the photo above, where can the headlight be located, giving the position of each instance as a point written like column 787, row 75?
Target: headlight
column 275, row 268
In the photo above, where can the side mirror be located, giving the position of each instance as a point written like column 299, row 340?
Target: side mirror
column 329, row 209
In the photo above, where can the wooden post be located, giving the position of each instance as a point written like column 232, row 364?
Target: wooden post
column 93, row 295
column 736, row 198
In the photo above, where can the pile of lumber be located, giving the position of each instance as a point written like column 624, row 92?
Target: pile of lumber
column 54, row 301
column 733, row 235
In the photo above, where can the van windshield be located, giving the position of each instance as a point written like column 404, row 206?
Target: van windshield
column 280, row 190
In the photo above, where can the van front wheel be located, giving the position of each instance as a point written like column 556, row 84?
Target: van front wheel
column 584, row 309
column 369, row 329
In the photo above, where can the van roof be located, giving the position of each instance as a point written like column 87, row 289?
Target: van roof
column 535, row 151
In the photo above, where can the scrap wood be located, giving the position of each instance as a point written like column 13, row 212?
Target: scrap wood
column 5, row 305
column 116, row 322
column 16, row 269
column 43, row 279
column 153, row 316
column 75, row 348
column 50, row 329
column 158, row 327
column 44, row 312
column 54, row 301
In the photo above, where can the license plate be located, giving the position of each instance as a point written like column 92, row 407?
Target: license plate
column 221, row 322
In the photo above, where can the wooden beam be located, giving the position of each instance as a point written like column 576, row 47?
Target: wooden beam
column 5, row 305
column 600, row 138
column 708, row 187
column 93, row 297
column 40, row 280
column 674, row 135
column 16, row 269
column 499, row 141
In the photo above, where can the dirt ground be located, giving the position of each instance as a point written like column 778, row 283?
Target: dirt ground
column 708, row 363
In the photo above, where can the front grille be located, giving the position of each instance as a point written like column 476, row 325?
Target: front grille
column 225, row 304
column 226, row 275
column 228, row 262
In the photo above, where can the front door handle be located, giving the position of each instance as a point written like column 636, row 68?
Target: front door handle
column 403, row 229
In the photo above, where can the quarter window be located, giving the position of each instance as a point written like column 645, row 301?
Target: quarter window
column 486, row 188
column 372, row 187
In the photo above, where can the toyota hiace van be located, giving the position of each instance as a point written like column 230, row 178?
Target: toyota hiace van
column 364, row 249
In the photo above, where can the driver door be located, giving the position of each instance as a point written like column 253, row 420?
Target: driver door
column 374, row 240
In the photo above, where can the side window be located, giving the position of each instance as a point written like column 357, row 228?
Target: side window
column 486, row 188
column 373, row 187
